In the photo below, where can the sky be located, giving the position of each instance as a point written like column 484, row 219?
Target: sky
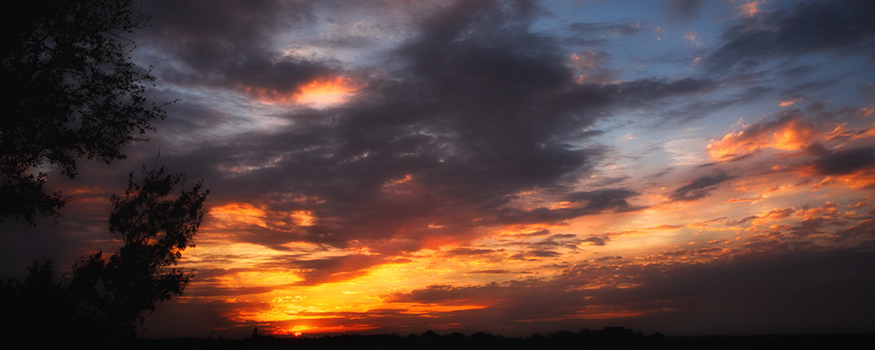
column 396, row 166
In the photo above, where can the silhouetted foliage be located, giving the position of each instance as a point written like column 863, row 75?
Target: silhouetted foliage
column 69, row 91
column 107, row 293
column 155, row 226
column 41, row 301
column 585, row 339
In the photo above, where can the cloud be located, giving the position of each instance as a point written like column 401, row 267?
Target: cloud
column 604, row 199
column 699, row 188
column 829, row 153
column 434, row 294
column 468, row 252
column 597, row 241
column 769, row 292
column 864, row 229
column 599, row 30
column 750, row 8
column 229, row 45
column 853, row 167
column 845, row 161
column 476, row 140
column 334, row 269
column 534, row 255
column 693, row 38
column 543, row 232
column 770, row 216
column 686, row 9
column 478, row 109
column 589, row 67
column 808, row 27
column 788, row 133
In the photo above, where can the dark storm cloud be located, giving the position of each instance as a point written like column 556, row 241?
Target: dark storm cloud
column 484, row 113
column 227, row 44
column 479, row 109
column 633, row 94
column 597, row 241
column 470, row 120
column 809, row 226
column 846, row 161
column 539, row 215
column 431, row 294
column 334, row 269
column 486, row 109
column 688, row 110
column 604, row 199
column 686, row 9
column 699, row 188
column 236, row 22
column 468, row 252
column 492, row 272
column 592, row 32
column 555, row 241
column 543, row 232
column 534, row 255
column 810, row 291
column 586, row 203
column 864, row 229
column 836, row 27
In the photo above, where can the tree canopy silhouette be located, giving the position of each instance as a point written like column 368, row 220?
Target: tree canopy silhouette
column 155, row 227
column 70, row 90
column 106, row 294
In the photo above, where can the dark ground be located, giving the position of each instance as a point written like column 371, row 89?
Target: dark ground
column 609, row 338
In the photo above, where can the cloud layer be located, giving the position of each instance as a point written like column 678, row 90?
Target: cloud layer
column 509, row 166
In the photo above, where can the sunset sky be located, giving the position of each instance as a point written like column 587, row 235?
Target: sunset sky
column 684, row 167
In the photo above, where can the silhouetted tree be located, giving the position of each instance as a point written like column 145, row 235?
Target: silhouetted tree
column 155, row 225
column 40, row 301
column 107, row 293
column 69, row 90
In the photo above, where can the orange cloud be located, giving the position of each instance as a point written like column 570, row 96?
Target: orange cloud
column 588, row 60
column 772, row 216
column 790, row 101
column 239, row 212
column 232, row 214
column 303, row 217
column 692, row 37
column 786, row 134
column 863, row 178
column 750, row 8
column 327, row 91
column 318, row 93
column 829, row 209
column 840, row 133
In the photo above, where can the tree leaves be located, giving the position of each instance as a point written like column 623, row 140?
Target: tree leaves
column 69, row 91
column 106, row 295
column 155, row 225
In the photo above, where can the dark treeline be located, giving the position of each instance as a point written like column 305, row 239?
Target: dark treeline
column 609, row 338
column 72, row 93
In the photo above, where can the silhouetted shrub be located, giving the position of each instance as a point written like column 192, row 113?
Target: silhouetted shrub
column 106, row 294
